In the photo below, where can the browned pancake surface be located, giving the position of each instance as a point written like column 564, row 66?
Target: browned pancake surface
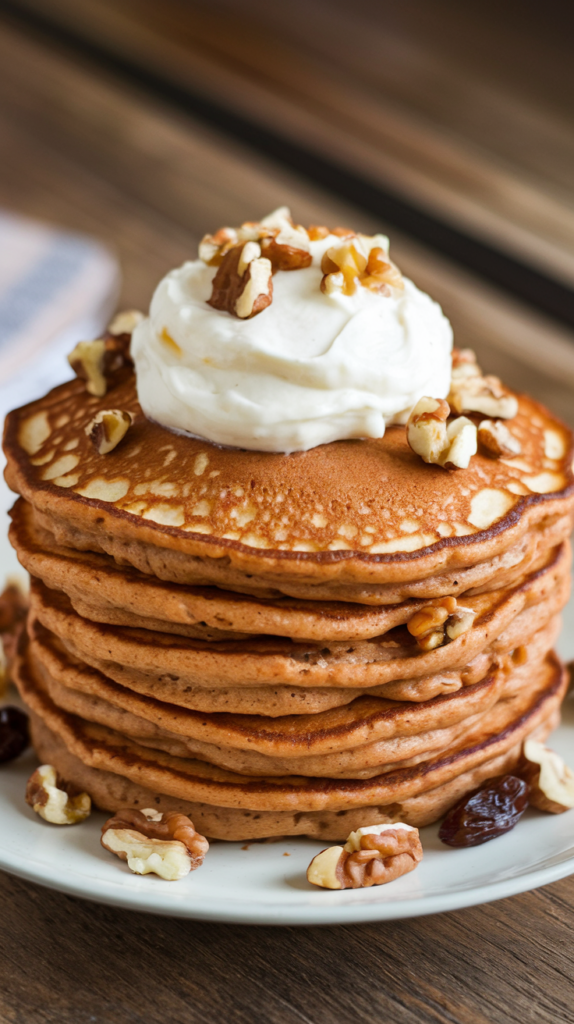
column 194, row 780
column 351, row 510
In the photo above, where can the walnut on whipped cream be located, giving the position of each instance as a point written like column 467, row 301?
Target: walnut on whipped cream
column 242, row 351
column 283, row 243
column 359, row 260
column 243, row 283
column 372, row 855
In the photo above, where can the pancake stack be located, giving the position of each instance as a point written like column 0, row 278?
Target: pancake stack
column 226, row 633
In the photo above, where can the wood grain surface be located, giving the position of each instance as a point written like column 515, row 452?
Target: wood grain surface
column 464, row 110
column 85, row 151
column 64, row 961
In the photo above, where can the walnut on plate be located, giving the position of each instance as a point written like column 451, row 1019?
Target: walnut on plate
column 450, row 445
column 151, row 842
column 55, row 800
column 550, row 779
column 372, row 855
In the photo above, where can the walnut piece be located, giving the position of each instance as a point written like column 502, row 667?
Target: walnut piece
column 448, row 445
column 283, row 243
column 485, row 395
column 107, row 429
column 54, row 800
column 97, row 361
column 440, row 620
column 459, row 622
column 464, row 364
column 359, row 260
column 372, row 855
column 287, row 244
column 243, row 284
column 163, row 844
column 125, row 322
column 550, row 779
column 496, row 439
column 87, row 360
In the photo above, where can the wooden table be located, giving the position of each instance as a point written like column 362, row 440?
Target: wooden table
column 84, row 150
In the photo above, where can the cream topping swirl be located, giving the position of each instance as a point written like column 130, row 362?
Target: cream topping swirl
column 309, row 369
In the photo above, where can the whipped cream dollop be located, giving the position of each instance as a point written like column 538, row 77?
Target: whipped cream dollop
column 309, row 369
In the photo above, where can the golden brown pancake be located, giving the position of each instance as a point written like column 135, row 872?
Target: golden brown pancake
column 367, row 737
column 111, row 792
column 284, row 700
column 103, row 591
column 225, row 632
column 342, row 521
column 195, row 782
column 504, row 618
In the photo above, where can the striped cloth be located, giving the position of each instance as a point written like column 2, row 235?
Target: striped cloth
column 56, row 288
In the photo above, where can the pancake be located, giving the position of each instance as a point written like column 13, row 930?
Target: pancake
column 111, row 792
column 247, row 800
column 352, row 520
column 103, row 591
column 284, row 700
column 503, row 618
column 369, row 736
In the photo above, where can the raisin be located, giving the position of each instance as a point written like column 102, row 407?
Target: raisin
column 14, row 735
column 490, row 811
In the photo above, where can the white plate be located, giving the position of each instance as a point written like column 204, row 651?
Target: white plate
column 261, row 885
column 266, row 883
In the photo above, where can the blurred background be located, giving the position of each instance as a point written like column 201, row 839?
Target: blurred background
column 129, row 128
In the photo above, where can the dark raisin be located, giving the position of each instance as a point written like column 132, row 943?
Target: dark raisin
column 490, row 811
column 14, row 735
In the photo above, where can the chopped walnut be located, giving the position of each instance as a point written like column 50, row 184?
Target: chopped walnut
column 97, row 361
column 372, row 855
column 497, row 441
column 107, row 429
column 87, row 360
column 56, row 801
column 125, row 322
column 213, row 248
column 247, row 293
column 164, row 844
column 431, row 617
column 485, row 395
column 450, row 446
column 317, row 231
column 464, row 364
column 359, row 259
column 283, row 243
column 459, row 622
column 440, row 620
column 288, row 246
column 550, row 779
